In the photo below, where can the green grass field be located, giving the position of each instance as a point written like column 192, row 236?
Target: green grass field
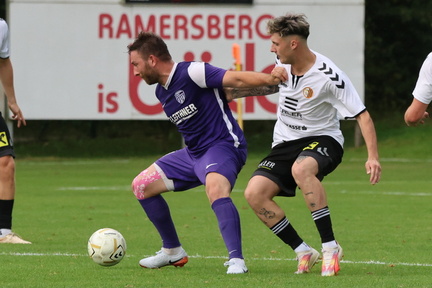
column 385, row 229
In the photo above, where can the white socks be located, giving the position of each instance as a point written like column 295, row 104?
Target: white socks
column 172, row 251
column 302, row 248
column 331, row 244
column 4, row 232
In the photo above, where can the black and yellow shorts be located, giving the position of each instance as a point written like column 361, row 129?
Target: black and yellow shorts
column 6, row 144
column 277, row 165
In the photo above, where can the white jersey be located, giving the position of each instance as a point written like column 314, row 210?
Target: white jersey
column 312, row 104
column 4, row 39
column 423, row 88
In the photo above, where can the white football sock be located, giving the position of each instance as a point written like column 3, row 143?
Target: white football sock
column 4, row 232
column 331, row 244
column 302, row 247
column 172, row 251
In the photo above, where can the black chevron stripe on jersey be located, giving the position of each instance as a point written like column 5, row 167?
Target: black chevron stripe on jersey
column 334, row 76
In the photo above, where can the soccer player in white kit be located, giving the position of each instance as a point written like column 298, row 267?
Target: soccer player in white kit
column 307, row 140
column 7, row 154
column 416, row 112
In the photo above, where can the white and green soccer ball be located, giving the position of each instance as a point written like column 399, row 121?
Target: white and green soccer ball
column 106, row 247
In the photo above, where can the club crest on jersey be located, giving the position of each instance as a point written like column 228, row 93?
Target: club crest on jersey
column 180, row 96
column 307, row 92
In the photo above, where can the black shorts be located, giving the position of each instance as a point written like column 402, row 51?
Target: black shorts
column 6, row 144
column 277, row 165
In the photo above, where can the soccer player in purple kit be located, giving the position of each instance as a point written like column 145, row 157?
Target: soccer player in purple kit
column 192, row 97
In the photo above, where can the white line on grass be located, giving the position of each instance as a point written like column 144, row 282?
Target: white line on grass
column 73, row 162
column 397, row 193
column 399, row 160
column 92, row 188
column 388, row 193
column 349, row 182
column 371, row 262
column 126, row 188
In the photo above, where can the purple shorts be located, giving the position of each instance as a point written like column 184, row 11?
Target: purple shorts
column 188, row 172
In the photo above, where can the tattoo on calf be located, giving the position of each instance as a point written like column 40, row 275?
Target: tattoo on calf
column 267, row 214
column 312, row 204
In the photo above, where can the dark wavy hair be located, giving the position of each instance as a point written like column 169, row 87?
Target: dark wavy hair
column 148, row 43
column 290, row 24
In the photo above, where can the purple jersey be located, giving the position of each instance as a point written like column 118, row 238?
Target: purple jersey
column 193, row 99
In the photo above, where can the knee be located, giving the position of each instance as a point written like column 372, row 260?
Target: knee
column 138, row 187
column 141, row 182
column 253, row 196
column 7, row 167
column 298, row 172
column 7, row 163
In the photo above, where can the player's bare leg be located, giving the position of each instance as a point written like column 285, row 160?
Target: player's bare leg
column 259, row 194
column 304, row 171
column 7, row 198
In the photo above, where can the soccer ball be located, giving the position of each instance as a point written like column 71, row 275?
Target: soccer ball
column 106, row 247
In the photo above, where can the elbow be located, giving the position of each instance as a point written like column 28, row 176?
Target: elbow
column 411, row 120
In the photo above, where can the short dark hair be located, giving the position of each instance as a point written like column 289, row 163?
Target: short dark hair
column 290, row 24
column 148, row 43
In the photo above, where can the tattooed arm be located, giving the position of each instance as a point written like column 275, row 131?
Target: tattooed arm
column 234, row 93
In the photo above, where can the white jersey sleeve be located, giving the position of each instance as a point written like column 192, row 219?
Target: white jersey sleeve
column 4, row 39
column 196, row 71
column 423, row 88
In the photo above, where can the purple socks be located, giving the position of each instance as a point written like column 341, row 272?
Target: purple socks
column 229, row 226
column 159, row 214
